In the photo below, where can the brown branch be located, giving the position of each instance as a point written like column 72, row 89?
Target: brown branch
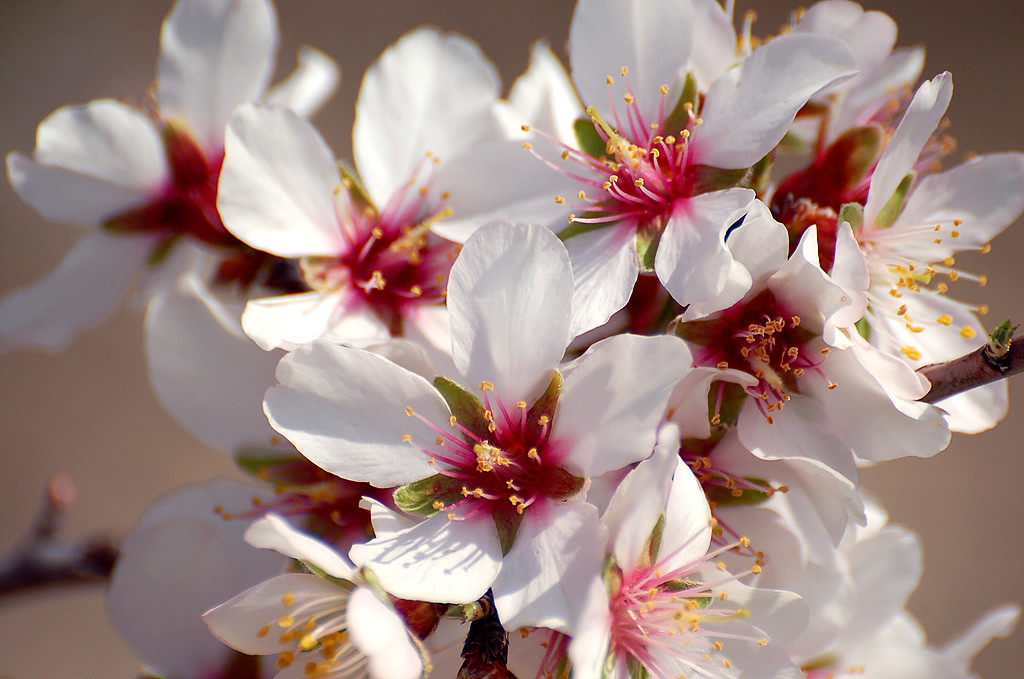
column 39, row 559
column 995, row 361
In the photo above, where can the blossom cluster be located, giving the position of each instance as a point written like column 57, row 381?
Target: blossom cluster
column 573, row 382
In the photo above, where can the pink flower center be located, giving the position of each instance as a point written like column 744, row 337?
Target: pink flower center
column 391, row 262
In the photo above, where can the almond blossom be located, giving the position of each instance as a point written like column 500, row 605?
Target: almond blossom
column 493, row 462
column 147, row 178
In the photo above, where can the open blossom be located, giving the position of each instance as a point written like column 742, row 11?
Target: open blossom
column 646, row 197
column 148, row 178
column 493, row 462
column 807, row 389
column 658, row 606
column 337, row 628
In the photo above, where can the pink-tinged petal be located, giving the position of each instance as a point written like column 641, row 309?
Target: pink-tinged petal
column 206, row 373
column 652, row 39
column 273, row 532
column 182, row 560
column 84, row 289
column 588, row 650
column 604, row 269
column 509, row 296
column 381, row 635
column 613, row 399
column 781, row 615
column 384, row 519
column 639, row 501
column 307, row 88
column 290, row 321
column 544, row 97
column 278, row 183
column 919, row 122
column 498, row 181
column 977, row 410
column 749, row 109
column 215, row 55
column 90, row 163
column 714, row 42
column 539, row 584
column 899, row 379
column 240, row 622
column 900, row 70
column 428, row 328
column 441, row 559
column 688, row 405
column 429, row 92
column 693, row 261
column 345, row 409
column 986, row 194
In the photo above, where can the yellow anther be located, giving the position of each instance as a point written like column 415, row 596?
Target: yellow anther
column 264, row 631
column 407, row 438
column 527, row 146
column 609, row 80
column 524, row 128
column 911, row 353
column 285, row 659
column 408, row 411
column 438, row 505
column 559, row 200
column 945, row 319
column 967, row 332
column 288, row 600
column 285, row 621
column 451, row 421
column 521, row 405
column 664, row 89
column 486, row 386
column 625, row 71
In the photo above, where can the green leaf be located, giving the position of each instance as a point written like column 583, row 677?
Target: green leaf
column 589, row 139
column 465, row 406
column 418, row 497
column 679, row 119
column 737, row 497
column 894, row 206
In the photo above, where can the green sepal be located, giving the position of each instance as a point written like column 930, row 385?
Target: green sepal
column 648, row 237
column 999, row 339
column 355, row 187
column 635, row 669
column 679, row 119
column 611, row 575
column 577, row 228
column 733, row 398
column 759, row 176
column 705, row 179
column 465, row 406
column 418, row 498
column 856, row 153
column 507, row 521
column 853, row 214
column 704, row 332
column 320, row 573
column 863, row 328
column 649, row 554
column 894, row 206
column 588, row 138
column 474, row 610
column 681, row 585
column 559, row 484
column 545, row 405
column 724, row 497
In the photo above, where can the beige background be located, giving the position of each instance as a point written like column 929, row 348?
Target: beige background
column 89, row 411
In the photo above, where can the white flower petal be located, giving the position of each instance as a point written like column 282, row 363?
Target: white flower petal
column 381, row 635
column 714, row 42
column 748, row 110
column 539, row 583
column 206, row 373
column 693, row 261
column 311, row 83
column 215, row 55
column 604, row 270
column 240, row 621
column 442, row 559
column 345, row 409
column 614, row 398
column 85, row 289
column 652, row 39
column 687, row 533
column 544, row 97
column 429, row 92
column 509, row 296
column 919, row 122
column 182, row 560
column 277, row 185
column 273, row 532
column 90, row 163
column 293, row 320
column 588, row 649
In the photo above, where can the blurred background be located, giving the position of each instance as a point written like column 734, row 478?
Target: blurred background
column 90, row 412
